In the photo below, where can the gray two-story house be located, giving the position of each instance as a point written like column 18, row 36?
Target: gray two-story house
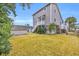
column 46, row 15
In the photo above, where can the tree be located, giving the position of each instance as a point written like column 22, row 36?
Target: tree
column 71, row 21
column 6, row 25
column 9, row 8
column 5, row 34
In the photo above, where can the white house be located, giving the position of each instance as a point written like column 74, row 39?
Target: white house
column 46, row 15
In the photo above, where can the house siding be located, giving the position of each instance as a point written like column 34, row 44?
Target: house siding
column 56, row 15
column 48, row 15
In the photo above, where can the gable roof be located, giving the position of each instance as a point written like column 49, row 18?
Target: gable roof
column 41, row 9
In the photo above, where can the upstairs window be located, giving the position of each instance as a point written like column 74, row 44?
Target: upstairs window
column 39, row 18
column 43, row 17
column 55, row 10
column 44, row 8
column 54, row 19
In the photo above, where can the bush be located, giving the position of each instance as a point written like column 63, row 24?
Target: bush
column 5, row 33
column 52, row 27
column 41, row 29
column 63, row 31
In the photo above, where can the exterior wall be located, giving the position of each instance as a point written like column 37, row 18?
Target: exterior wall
column 35, row 17
column 48, row 15
column 56, row 15
column 45, row 11
column 52, row 15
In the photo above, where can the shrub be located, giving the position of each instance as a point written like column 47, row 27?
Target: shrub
column 5, row 33
column 41, row 29
column 52, row 27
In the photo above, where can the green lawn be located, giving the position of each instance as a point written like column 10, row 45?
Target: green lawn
column 44, row 45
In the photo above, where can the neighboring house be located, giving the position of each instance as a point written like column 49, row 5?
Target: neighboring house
column 20, row 29
column 48, row 14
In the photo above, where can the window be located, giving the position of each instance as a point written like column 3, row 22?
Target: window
column 39, row 18
column 43, row 17
column 44, row 8
column 55, row 10
column 60, row 22
column 54, row 19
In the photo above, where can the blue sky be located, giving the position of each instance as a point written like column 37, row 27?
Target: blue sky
column 25, row 16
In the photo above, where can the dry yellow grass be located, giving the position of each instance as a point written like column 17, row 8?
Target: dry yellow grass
column 44, row 45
